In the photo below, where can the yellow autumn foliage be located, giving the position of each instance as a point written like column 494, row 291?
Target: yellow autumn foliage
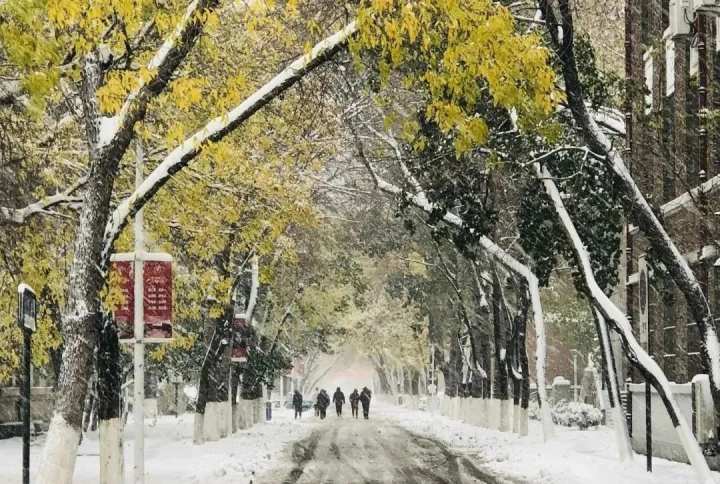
column 455, row 52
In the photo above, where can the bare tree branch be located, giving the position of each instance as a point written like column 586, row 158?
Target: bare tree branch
column 18, row 216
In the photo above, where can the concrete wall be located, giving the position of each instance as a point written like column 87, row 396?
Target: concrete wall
column 41, row 404
column 664, row 438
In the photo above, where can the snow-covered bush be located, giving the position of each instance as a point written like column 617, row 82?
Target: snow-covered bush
column 576, row 414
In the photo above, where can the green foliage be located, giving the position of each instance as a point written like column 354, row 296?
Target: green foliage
column 601, row 88
column 592, row 197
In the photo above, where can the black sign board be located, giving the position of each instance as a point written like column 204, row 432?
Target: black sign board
column 27, row 307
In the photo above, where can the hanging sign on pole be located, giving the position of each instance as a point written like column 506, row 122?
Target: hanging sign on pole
column 122, row 266
column 157, row 296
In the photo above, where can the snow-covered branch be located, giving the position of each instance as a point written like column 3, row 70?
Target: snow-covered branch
column 174, row 49
column 219, row 127
column 617, row 317
column 18, row 216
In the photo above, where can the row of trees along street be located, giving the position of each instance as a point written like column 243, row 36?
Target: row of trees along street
column 413, row 177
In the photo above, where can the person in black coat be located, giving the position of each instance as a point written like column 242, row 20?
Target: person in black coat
column 339, row 400
column 316, row 406
column 297, row 403
column 365, row 396
column 354, row 399
column 322, row 402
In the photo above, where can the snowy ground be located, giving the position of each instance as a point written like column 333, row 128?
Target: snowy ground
column 396, row 445
column 572, row 457
column 344, row 451
column 171, row 457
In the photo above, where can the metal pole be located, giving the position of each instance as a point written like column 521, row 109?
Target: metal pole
column 648, row 426
column 575, row 397
column 26, row 405
column 139, row 354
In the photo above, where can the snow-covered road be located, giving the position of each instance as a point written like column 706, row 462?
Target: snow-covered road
column 396, row 445
column 348, row 451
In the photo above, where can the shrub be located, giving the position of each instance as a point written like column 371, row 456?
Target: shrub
column 569, row 414
column 575, row 414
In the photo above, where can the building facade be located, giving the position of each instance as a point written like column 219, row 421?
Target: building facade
column 673, row 143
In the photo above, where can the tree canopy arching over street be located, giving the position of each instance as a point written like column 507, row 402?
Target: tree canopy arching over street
column 441, row 186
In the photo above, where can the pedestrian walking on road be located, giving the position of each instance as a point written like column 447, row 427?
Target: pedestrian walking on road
column 365, row 397
column 323, row 402
column 339, row 400
column 317, row 399
column 354, row 399
column 297, row 403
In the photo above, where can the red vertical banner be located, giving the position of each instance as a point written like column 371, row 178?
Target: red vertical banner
column 124, row 314
column 157, row 299
column 157, row 296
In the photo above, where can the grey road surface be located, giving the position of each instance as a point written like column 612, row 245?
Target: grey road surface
column 377, row 451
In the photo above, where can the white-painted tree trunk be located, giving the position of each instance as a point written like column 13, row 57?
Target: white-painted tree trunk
column 59, row 453
column 199, row 429
column 112, row 468
column 522, row 422
column 505, row 409
column 211, row 430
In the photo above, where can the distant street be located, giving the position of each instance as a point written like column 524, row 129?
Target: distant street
column 348, row 451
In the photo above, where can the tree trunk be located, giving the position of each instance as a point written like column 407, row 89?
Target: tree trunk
column 209, row 393
column 453, row 369
column 108, row 388
column 414, row 382
column 385, row 386
column 80, row 321
column 499, row 334
column 622, row 436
